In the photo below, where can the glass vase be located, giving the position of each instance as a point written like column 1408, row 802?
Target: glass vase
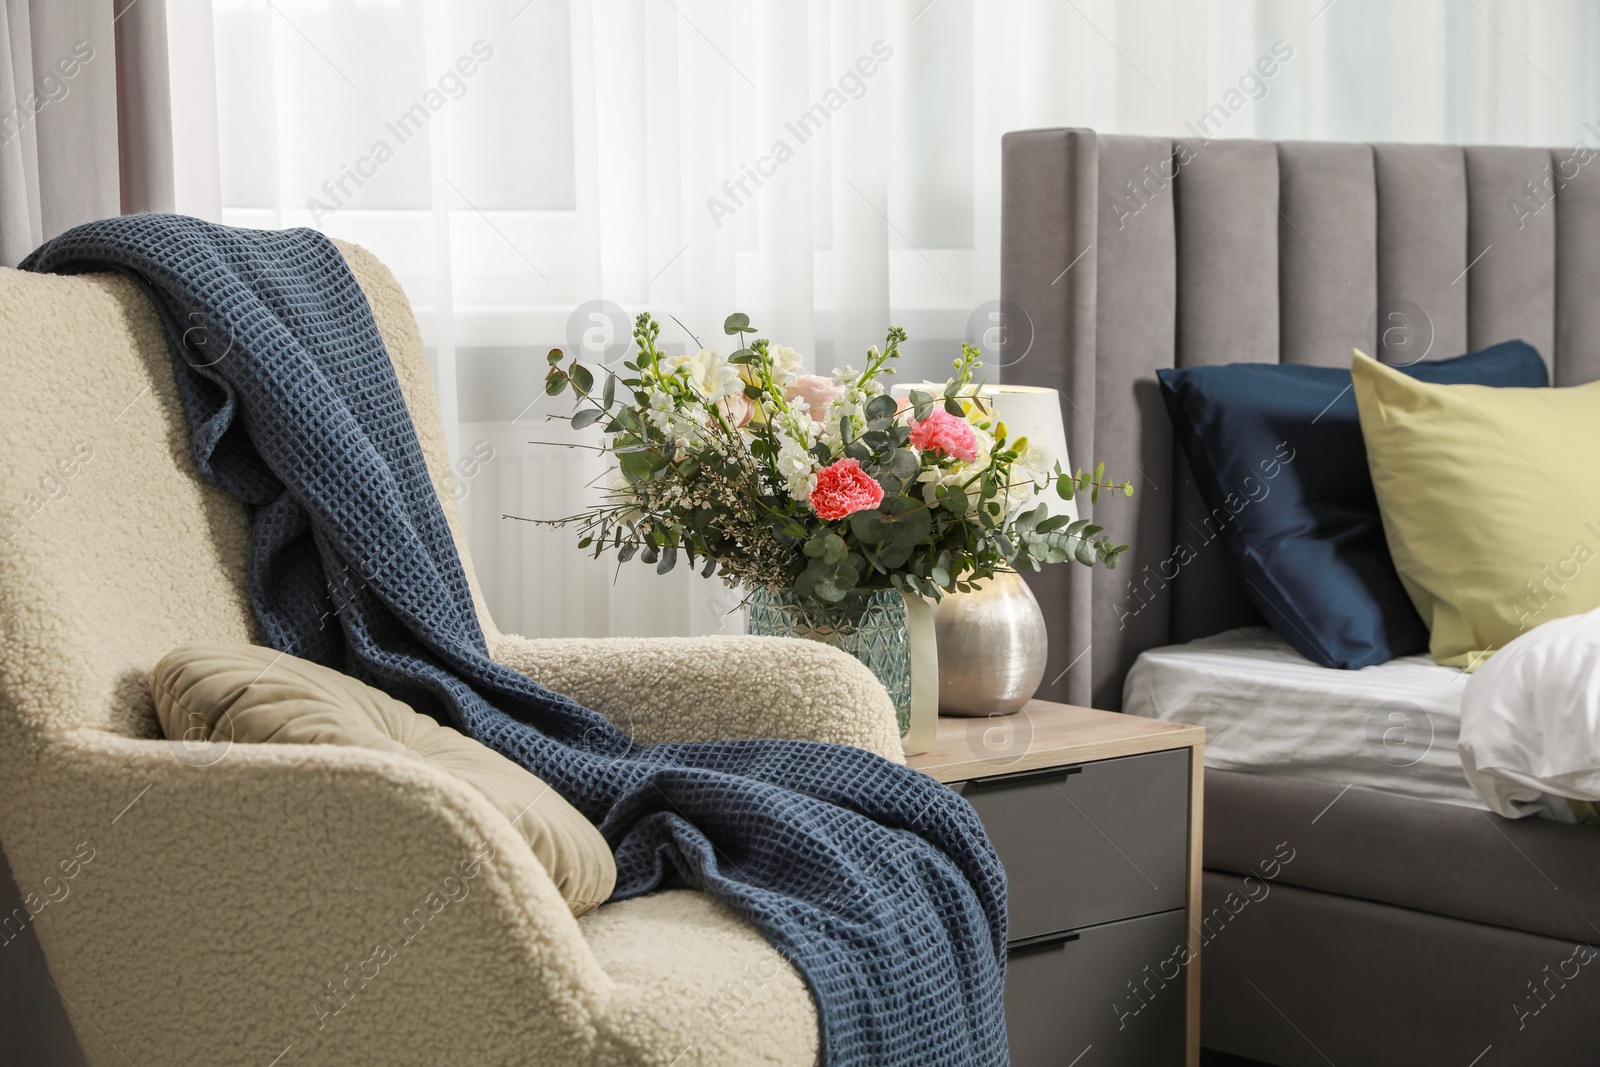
column 869, row 624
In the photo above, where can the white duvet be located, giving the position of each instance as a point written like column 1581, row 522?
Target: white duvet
column 1530, row 720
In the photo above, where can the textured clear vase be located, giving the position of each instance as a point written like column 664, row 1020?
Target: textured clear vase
column 870, row 625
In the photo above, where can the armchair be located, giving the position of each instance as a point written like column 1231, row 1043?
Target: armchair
column 259, row 904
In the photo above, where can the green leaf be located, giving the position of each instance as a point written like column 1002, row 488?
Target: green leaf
column 626, row 552
column 892, row 556
column 954, row 407
column 582, row 377
column 738, row 322
column 1065, row 487
column 586, row 417
column 881, row 406
column 805, row 584
column 555, row 382
column 1100, row 472
column 822, row 546
column 877, row 440
column 610, row 395
column 636, row 466
column 911, row 528
column 847, row 430
column 669, row 559
column 1127, row 489
column 555, row 356
column 903, row 463
column 870, row 527
column 830, row 590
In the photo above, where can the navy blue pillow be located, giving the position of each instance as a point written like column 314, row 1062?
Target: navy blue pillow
column 1277, row 452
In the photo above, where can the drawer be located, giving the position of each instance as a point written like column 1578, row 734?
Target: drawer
column 1091, row 843
column 1071, row 1002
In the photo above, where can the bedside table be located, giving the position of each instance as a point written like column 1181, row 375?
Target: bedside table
column 1096, row 818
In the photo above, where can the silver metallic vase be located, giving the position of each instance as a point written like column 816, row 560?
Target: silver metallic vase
column 992, row 647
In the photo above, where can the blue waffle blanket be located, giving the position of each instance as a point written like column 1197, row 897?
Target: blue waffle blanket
column 875, row 881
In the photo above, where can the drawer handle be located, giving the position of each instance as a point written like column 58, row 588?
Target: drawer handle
column 1041, row 942
column 995, row 781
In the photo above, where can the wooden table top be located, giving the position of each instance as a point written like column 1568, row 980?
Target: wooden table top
column 1045, row 734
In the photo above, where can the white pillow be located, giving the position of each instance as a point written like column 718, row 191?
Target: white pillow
column 1530, row 720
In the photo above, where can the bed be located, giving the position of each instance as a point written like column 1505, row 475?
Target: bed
column 1267, row 710
column 1412, row 926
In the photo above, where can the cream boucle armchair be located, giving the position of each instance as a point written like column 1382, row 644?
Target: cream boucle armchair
column 280, row 904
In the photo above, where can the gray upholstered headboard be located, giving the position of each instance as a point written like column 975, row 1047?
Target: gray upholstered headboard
column 1120, row 255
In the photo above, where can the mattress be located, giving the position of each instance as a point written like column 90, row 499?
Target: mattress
column 1268, row 710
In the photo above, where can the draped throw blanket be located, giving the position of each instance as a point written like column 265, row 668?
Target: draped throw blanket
column 874, row 880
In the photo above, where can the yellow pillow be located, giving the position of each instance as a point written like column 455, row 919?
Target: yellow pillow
column 1490, row 500
column 245, row 693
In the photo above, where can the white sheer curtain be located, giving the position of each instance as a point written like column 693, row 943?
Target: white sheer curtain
column 538, row 171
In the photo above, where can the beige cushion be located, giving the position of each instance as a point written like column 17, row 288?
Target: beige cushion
column 249, row 694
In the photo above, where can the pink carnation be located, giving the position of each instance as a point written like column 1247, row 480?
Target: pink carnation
column 843, row 488
column 945, row 434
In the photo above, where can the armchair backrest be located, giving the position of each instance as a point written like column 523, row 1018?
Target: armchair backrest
column 113, row 550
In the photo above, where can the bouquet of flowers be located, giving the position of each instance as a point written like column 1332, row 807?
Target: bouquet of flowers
column 746, row 466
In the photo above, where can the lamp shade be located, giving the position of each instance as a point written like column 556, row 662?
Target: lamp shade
column 1028, row 411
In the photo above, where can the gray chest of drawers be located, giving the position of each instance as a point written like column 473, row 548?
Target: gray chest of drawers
column 1096, row 818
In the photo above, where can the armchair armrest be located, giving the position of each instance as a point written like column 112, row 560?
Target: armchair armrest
column 355, row 906
column 715, row 688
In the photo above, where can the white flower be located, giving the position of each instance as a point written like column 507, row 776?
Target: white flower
column 787, row 364
column 708, row 373
column 659, row 412
column 796, row 466
column 1030, row 474
column 798, row 469
column 934, row 477
column 1036, row 461
column 796, row 425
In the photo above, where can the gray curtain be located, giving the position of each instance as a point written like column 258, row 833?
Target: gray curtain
column 85, row 116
